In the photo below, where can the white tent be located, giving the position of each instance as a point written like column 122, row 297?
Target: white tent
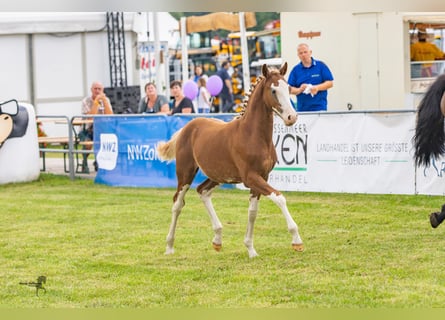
column 167, row 27
column 59, row 22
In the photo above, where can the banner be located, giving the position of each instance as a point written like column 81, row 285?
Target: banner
column 345, row 152
column 148, row 65
column 431, row 180
column 323, row 152
column 125, row 149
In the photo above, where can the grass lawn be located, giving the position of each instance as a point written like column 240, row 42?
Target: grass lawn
column 102, row 246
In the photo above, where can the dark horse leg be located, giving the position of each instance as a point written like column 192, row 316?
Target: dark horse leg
column 205, row 190
column 436, row 218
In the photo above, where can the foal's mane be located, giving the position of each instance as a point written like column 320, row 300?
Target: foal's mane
column 251, row 90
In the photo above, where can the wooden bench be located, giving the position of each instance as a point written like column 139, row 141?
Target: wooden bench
column 53, row 140
column 86, row 143
column 63, row 141
column 70, row 151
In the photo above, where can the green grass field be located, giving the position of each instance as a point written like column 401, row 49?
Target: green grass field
column 102, row 246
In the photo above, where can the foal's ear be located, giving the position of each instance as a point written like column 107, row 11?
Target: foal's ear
column 265, row 70
column 283, row 69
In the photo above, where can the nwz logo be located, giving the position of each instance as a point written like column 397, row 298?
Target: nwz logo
column 141, row 152
column 109, row 146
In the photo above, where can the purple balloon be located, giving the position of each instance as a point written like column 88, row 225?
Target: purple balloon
column 214, row 85
column 190, row 89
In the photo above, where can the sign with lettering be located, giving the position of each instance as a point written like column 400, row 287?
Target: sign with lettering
column 309, row 35
column 323, row 152
column 364, row 153
column 126, row 154
column 148, row 64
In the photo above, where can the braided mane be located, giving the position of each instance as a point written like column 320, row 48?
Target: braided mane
column 247, row 97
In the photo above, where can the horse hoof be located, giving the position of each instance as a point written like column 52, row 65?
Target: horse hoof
column 433, row 219
column 217, row 246
column 299, row 247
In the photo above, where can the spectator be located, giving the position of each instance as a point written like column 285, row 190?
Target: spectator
column 198, row 74
column 425, row 51
column 226, row 94
column 204, row 98
column 181, row 103
column 153, row 102
column 97, row 103
column 309, row 80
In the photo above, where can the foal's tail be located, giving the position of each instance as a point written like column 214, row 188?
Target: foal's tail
column 429, row 137
column 167, row 150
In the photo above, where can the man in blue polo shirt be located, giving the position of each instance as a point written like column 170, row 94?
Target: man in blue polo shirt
column 309, row 81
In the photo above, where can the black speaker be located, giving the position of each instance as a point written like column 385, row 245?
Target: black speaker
column 124, row 99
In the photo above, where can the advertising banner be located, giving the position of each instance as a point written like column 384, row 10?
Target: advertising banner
column 354, row 152
column 431, row 180
column 126, row 151
column 148, row 64
column 323, row 152
column 125, row 148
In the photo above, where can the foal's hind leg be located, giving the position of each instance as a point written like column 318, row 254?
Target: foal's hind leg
column 186, row 169
column 253, row 210
column 205, row 190
column 176, row 211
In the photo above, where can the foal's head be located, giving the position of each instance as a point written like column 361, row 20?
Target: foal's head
column 276, row 94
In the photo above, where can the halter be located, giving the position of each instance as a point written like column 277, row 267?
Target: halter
column 277, row 109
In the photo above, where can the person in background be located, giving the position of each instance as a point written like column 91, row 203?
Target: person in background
column 198, row 74
column 204, row 102
column 423, row 50
column 181, row 103
column 96, row 103
column 310, row 80
column 153, row 102
column 226, row 94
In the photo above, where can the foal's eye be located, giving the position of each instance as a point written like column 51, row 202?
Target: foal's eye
column 274, row 91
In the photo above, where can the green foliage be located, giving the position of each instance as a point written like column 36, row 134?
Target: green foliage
column 102, row 246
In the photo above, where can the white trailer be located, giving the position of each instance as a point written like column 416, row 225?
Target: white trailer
column 367, row 52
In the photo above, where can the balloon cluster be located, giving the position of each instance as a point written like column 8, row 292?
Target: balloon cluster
column 214, row 85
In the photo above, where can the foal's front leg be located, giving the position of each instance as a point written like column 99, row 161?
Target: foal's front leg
column 280, row 201
column 260, row 186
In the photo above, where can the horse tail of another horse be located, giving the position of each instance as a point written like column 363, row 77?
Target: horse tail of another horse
column 429, row 136
column 167, row 150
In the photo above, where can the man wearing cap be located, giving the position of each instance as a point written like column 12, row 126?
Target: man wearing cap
column 309, row 81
